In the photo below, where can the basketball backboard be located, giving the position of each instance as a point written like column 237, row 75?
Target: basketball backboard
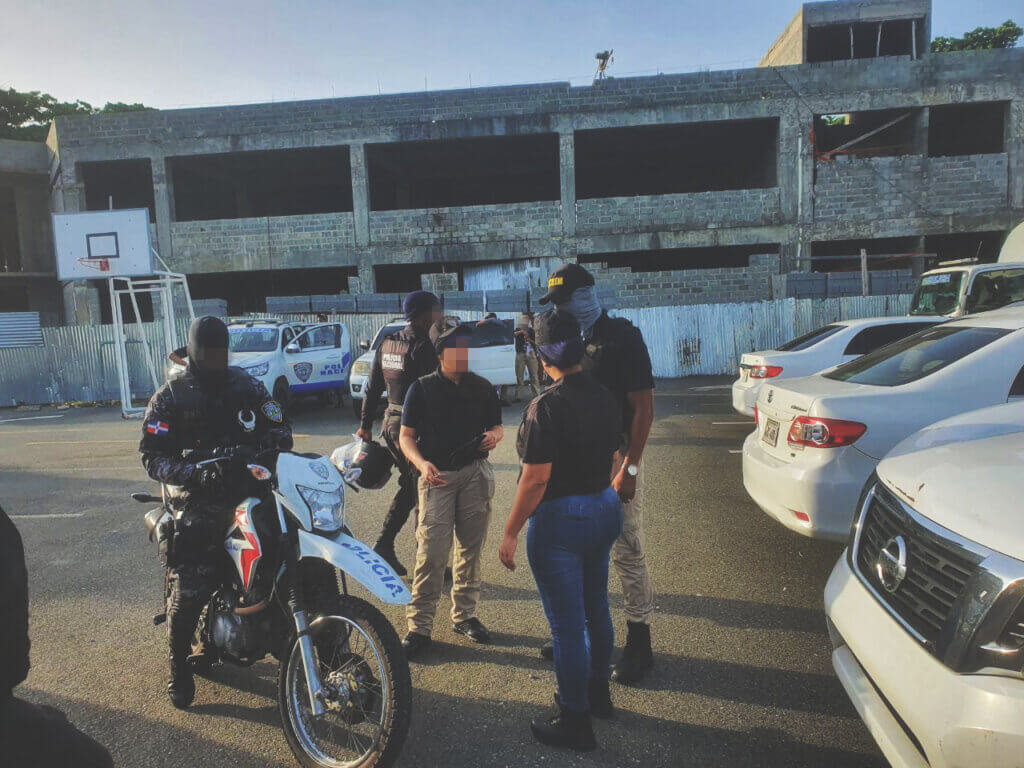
column 101, row 244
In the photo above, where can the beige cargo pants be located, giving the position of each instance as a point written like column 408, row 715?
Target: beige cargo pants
column 524, row 363
column 462, row 507
column 630, row 559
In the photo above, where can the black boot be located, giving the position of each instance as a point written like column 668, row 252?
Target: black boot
column 385, row 548
column 599, row 696
column 637, row 657
column 182, row 688
column 565, row 728
column 547, row 651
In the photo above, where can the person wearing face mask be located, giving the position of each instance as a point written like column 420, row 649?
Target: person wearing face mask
column 210, row 411
column 401, row 359
column 450, row 423
column 617, row 357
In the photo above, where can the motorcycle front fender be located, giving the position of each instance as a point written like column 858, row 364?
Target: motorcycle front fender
column 357, row 560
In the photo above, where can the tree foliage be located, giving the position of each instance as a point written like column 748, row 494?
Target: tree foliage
column 1005, row 35
column 26, row 115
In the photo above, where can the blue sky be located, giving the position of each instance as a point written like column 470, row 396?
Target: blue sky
column 172, row 53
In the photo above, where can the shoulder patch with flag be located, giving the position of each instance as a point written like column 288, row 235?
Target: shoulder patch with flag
column 157, row 427
column 272, row 410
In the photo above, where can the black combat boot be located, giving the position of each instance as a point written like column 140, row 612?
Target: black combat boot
column 385, row 548
column 637, row 657
column 599, row 697
column 182, row 688
column 565, row 728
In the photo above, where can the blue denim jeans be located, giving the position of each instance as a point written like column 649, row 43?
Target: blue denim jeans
column 568, row 544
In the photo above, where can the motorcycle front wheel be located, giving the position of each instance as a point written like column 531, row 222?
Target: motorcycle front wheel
column 367, row 688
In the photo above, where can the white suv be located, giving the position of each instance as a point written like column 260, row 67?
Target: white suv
column 926, row 606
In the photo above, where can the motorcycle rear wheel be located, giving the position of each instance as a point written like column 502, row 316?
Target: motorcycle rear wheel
column 358, row 649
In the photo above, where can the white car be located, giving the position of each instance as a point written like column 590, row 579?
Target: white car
column 822, row 348
column 817, row 439
column 492, row 355
column 292, row 359
column 926, row 606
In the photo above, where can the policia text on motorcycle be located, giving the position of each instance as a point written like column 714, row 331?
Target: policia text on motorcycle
column 450, row 422
column 210, row 411
column 400, row 360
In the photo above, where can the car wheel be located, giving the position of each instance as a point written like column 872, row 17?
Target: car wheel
column 332, row 398
column 357, row 408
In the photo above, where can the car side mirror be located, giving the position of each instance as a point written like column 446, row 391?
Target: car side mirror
column 364, row 345
column 292, row 348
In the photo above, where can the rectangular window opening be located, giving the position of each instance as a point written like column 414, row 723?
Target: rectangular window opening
column 284, row 182
column 865, row 40
column 967, row 129
column 671, row 259
column 671, row 159
column 403, row 278
column 844, row 255
column 118, row 184
column 491, row 170
column 881, row 133
column 10, row 249
column 983, row 246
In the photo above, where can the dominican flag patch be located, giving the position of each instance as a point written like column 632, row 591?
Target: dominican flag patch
column 157, row 428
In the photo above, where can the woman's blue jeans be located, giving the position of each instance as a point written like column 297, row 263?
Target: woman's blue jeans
column 568, row 544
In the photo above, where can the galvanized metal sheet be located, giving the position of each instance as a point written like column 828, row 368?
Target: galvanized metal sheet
column 20, row 329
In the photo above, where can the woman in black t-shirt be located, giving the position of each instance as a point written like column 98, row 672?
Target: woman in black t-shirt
column 566, row 442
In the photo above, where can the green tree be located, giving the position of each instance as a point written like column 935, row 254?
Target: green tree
column 980, row 39
column 26, row 115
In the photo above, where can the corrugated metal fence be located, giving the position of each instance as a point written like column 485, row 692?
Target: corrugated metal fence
column 76, row 363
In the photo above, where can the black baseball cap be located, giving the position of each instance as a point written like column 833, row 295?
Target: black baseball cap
column 564, row 281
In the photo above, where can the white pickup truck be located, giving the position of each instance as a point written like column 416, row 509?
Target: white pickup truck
column 291, row 358
column 492, row 355
column 926, row 606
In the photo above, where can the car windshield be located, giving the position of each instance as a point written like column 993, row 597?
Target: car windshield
column 491, row 333
column 937, row 294
column 809, row 339
column 253, row 339
column 991, row 290
column 386, row 330
column 916, row 356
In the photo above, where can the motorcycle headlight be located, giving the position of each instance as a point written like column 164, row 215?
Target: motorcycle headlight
column 326, row 507
column 258, row 370
column 361, row 368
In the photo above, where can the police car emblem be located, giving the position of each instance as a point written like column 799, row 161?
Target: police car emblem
column 272, row 411
column 303, row 371
column 320, row 469
column 247, row 420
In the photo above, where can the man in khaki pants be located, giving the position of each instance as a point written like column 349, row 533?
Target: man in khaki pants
column 451, row 420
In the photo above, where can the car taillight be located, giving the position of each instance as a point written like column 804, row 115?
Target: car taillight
column 765, row 372
column 824, row 433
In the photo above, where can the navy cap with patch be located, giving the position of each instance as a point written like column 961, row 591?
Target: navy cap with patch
column 564, row 281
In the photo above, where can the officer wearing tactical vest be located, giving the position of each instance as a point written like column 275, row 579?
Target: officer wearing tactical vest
column 617, row 357
column 451, row 421
column 400, row 360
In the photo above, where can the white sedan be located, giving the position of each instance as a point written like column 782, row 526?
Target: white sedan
column 817, row 439
column 924, row 606
column 822, row 348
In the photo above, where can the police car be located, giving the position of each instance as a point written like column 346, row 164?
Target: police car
column 292, row 358
column 364, row 364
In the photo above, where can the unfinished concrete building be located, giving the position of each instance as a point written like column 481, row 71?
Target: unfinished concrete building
column 689, row 187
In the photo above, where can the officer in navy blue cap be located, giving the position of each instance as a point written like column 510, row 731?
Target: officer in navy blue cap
column 400, row 360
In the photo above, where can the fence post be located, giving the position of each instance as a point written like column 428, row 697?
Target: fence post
column 865, row 289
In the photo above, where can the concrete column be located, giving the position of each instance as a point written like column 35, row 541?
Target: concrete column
column 81, row 303
column 360, row 197
column 367, row 279
column 567, row 172
column 163, row 201
column 921, row 131
column 1015, row 155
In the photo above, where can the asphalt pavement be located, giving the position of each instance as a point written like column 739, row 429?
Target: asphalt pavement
column 742, row 677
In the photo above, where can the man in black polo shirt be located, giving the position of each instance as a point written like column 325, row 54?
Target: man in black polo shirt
column 450, row 422
column 618, row 358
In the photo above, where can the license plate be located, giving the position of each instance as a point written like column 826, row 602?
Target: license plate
column 771, row 432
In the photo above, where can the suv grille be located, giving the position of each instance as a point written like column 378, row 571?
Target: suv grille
column 937, row 569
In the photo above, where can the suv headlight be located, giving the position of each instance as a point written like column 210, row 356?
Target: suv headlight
column 258, row 370
column 326, row 507
column 361, row 368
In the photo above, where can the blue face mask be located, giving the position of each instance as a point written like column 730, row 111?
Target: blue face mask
column 584, row 307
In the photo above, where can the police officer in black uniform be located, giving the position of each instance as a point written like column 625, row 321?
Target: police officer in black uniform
column 210, row 411
column 30, row 735
column 400, row 360
column 617, row 356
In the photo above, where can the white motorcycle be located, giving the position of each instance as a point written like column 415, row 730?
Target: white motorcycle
column 344, row 689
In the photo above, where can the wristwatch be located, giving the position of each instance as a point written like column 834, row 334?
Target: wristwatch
column 632, row 470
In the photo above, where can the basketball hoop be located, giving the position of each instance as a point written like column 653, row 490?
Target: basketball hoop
column 100, row 265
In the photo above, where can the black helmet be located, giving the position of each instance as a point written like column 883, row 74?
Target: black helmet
column 375, row 461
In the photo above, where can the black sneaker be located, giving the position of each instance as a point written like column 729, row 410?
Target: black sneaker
column 473, row 629
column 547, row 651
column 414, row 644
